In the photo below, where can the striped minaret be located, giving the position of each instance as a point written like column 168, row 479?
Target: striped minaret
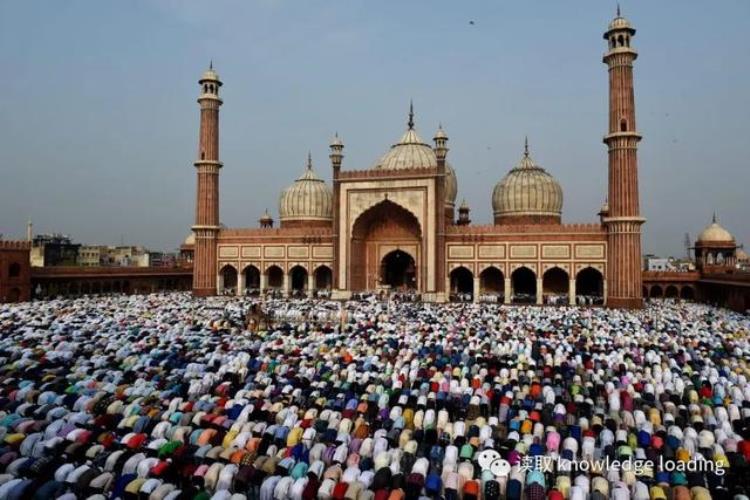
column 623, row 221
column 206, row 226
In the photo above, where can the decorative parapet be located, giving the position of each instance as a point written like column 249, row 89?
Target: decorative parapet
column 14, row 245
column 492, row 229
column 381, row 174
column 280, row 232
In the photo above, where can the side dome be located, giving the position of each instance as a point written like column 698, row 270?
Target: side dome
column 527, row 195
column 714, row 233
column 308, row 201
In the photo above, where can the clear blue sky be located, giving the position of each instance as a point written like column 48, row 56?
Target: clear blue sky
column 99, row 120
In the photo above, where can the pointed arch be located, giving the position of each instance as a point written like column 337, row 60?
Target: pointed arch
column 227, row 279
column 323, row 277
column 523, row 286
column 398, row 270
column 555, row 281
column 252, row 279
column 491, row 281
column 589, row 286
column 461, row 283
column 385, row 207
column 298, row 279
column 275, row 277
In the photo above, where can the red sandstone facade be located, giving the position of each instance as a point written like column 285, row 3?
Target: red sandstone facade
column 392, row 227
column 15, row 277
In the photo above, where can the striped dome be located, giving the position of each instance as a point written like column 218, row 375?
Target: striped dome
column 527, row 190
column 714, row 233
column 619, row 23
column 410, row 152
column 308, row 199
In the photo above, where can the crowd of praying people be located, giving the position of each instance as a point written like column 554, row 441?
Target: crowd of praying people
column 167, row 396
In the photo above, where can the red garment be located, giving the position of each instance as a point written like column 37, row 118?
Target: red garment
column 626, row 400
column 555, row 495
column 339, row 491
column 136, row 441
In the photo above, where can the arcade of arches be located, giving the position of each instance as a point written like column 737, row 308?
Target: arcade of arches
column 397, row 269
column 523, row 286
column 669, row 291
column 252, row 281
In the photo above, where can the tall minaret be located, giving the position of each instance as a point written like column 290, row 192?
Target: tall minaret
column 336, row 156
column 623, row 220
column 206, row 226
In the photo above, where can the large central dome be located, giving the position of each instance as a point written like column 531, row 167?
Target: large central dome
column 527, row 195
column 410, row 152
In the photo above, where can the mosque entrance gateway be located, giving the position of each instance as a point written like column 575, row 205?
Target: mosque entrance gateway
column 398, row 270
column 385, row 249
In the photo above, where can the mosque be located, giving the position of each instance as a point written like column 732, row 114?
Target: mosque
column 396, row 226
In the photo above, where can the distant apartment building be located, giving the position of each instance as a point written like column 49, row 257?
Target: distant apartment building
column 48, row 250
column 667, row 264
column 654, row 263
column 125, row 256
column 90, row 255
column 162, row 259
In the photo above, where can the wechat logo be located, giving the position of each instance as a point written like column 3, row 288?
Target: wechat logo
column 490, row 460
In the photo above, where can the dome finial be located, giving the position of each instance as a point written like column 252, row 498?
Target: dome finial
column 309, row 160
column 618, row 9
column 411, row 115
column 211, row 64
column 714, row 217
column 526, row 146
